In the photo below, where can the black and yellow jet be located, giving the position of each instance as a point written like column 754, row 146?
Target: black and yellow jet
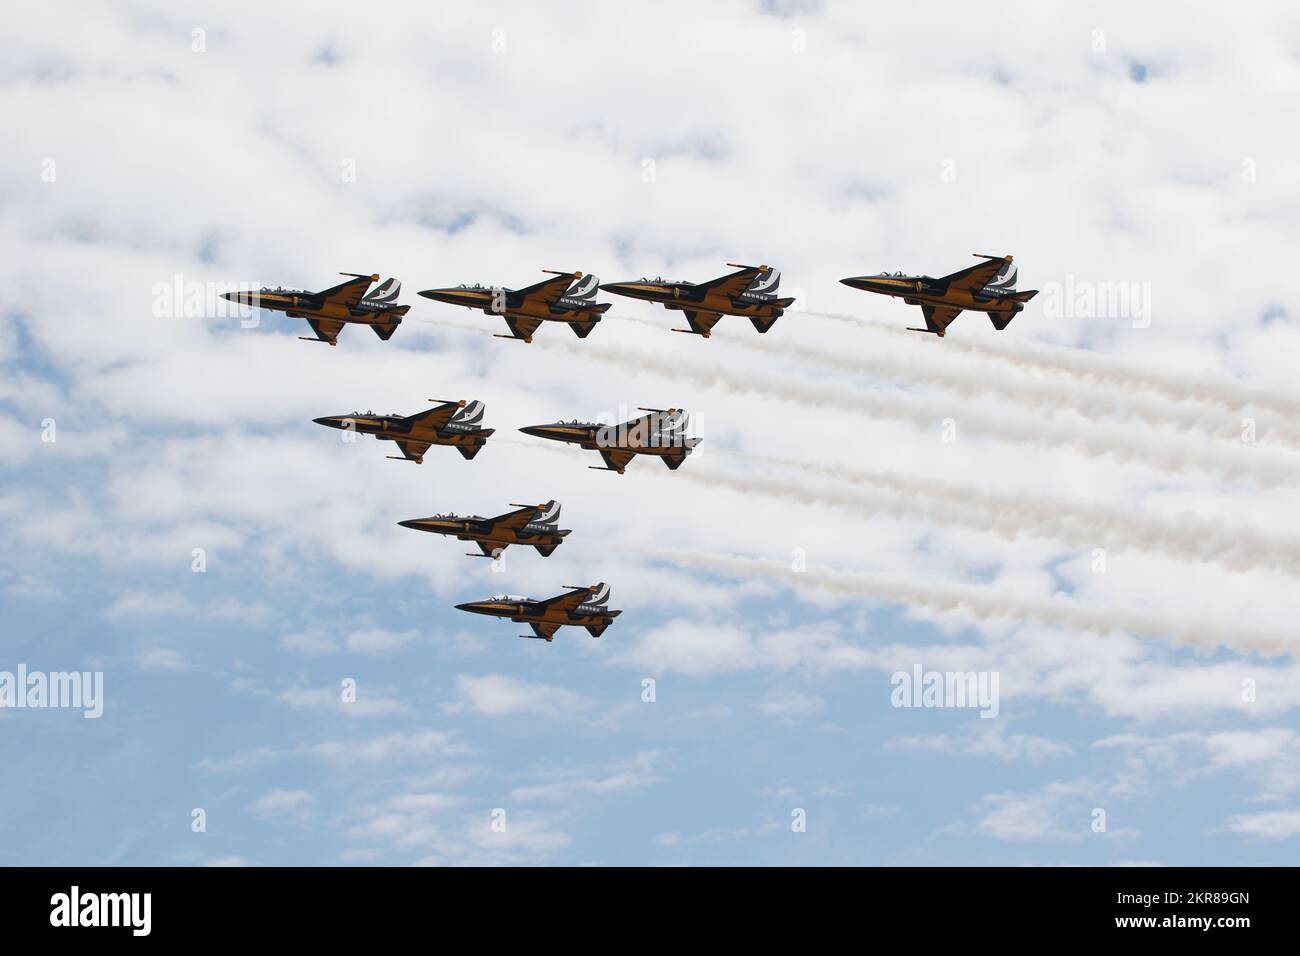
column 327, row 312
column 988, row 287
column 449, row 423
column 662, row 433
column 532, row 525
column 580, row 607
column 570, row 297
column 750, row 292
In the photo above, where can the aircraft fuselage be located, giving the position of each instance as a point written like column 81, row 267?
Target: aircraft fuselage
column 683, row 296
column 923, row 290
column 309, row 305
column 533, row 534
column 505, row 302
column 395, row 428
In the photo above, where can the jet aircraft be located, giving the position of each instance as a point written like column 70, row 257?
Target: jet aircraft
column 662, row 433
column 750, row 292
column 581, row 606
column 535, row 525
column 987, row 287
column 327, row 312
column 570, row 297
column 448, row 423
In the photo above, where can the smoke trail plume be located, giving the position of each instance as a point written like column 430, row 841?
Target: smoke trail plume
column 1227, row 462
column 1087, row 399
column 985, row 603
column 1205, row 387
column 1185, row 537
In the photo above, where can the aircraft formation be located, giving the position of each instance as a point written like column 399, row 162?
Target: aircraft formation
column 569, row 298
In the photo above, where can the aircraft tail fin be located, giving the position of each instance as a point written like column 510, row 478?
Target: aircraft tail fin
column 583, row 329
column 585, row 288
column 1006, row 278
column 763, row 323
column 766, row 283
column 545, row 550
column 471, row 414
column 386, row 292
column 1025, row 296
column 598, row 629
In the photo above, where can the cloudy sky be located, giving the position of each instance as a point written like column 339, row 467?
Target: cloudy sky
column 1095, row 508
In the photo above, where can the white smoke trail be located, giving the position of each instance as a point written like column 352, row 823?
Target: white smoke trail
column 1085, row 525
column 985, row 603
column 1185, row 537
column 1088, row 400
column 1226, row 462
column 1206, row 387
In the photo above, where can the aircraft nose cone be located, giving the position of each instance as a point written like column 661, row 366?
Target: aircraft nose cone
column 618, row 288
column 855, row 283
column 537, row 431
column 454, row 296
column 329, row 421
column 410, row 523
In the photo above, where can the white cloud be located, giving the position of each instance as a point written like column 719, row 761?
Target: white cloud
column 792, row 704
column 281, row 803
column 369, row 701
column 985, row 738
column 564, row 785
column 377, row 640
column 499, row 695
column 1271, row 825
column 162, row 658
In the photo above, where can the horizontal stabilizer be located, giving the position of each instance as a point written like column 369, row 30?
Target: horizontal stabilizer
column 386, row 330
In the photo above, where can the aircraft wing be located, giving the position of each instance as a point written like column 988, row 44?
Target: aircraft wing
column 347, row 294
column 413, row 450
column 544, row 631
column 438, row 416
column 735, row 283
column 522, row 326
column 514, row 520
column 938, row 318
column 617, row 460
column 701, row 322
column 568, row 601
column 327, row 330
column 976, row 277
column 549, row 290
